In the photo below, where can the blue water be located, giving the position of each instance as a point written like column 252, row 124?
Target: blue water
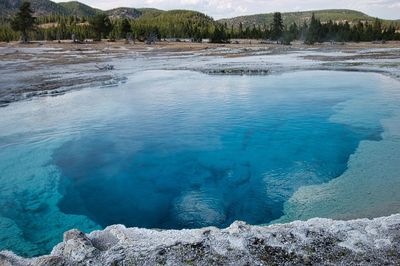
column 185, row 156
column 173, row 149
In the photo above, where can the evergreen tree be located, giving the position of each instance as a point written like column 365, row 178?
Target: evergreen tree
column 62, row 31
column 187, row 24
column 197, row 36
column 101, row 25
column 277, row 27
column 294, row 31
column 7, row 34
column 219, row 35
column 358, row 32
column 369, row 32
column 125, row 28
column 24, row 21
column 377, row 29
column 313, row 34
column 240, row 30
column 304, row 30
column 389, row 33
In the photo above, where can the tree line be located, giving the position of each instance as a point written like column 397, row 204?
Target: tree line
column 315, row 31
column 191, row 25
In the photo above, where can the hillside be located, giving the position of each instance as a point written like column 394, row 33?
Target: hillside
column 299, row 17
column 41, row 7
column 78, row 9
column 47, row 7
column 74, row 8
column 174, row 23
column 150, row 11
column 124, row 12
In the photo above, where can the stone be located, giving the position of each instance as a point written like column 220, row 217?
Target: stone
column 317, row 241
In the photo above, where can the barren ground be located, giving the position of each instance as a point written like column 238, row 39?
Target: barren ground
column 51, row 68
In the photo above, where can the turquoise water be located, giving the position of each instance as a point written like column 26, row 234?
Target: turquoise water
column 173, row 149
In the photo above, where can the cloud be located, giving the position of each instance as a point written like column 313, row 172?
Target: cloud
column 389, row 9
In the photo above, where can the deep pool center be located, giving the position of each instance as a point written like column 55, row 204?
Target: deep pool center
column 180, row 149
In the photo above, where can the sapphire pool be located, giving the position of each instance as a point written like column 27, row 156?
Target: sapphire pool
column 177, row 149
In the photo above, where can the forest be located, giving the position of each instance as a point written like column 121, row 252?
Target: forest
column 181, row 24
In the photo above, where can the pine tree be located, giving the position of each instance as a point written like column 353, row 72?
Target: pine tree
column 101, row 25
column 313, row 34
column 240, row 30
column 24, row 21
column 125, row 28
column 369, row 32
column 294, row 31
column 358, row 32
column 277, row 27
column 219, row 35
column 377, row 29
column 197, row 36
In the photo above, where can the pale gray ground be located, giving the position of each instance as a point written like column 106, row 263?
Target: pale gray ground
column 41, row 70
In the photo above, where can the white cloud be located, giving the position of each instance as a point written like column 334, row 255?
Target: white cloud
column 230, row 8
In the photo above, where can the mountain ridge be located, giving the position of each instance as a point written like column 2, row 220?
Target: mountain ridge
column 79, row 9
column 75, row 8
column 298, row 17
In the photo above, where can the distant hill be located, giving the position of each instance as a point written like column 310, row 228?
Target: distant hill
column 74, row 8
column 150, row 11
column 78, row 9
column 124, row 12
column 175, row 22
column 336, row 15
column 41, row 7
column 47, row 7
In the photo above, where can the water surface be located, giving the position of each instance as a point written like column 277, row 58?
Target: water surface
column 176, row 149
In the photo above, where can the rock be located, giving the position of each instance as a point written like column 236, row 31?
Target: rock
column 76, row 247
column 5, row 260
column 50, row 261
column 106, row 67
column 8, row 258
column 317, row 241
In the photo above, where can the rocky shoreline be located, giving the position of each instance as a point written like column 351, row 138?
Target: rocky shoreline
column 314, row 242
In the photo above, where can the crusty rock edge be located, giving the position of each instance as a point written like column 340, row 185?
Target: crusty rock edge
column 317, row 241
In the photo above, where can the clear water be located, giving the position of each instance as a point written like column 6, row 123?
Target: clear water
column 173, row 149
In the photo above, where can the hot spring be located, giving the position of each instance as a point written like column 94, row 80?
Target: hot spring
column 177, row 149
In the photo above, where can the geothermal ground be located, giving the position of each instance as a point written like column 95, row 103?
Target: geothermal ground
column 53, row 69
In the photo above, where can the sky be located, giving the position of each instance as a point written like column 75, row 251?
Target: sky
column 388, row 9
